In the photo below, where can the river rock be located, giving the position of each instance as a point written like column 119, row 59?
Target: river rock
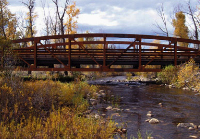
column 170, row 86
column 150, row 137
column 191, row 128
column 96, row 116
column 124, row 130
column 149, row 114
column 116, row 109
column 116, row 114
column 109, row 108
column 147, row 120
column 160, row 104
column 185, row 125
column 101, row 91
column 194, row 137
column 93, row 101
column 198, row 94
column 103, row 115
column 103, row 95
column 154, row 121
column 186, row 88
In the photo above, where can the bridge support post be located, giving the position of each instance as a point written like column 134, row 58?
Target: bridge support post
column 104, row 52
column 140, row 54
column 69, row 55
column 175, row 53
column 35, row 53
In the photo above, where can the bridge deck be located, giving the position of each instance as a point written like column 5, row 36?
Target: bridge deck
column 103, row 52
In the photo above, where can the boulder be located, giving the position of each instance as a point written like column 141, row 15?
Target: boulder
column 154, row 121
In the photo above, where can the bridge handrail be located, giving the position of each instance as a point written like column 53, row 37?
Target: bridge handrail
column 136, row 36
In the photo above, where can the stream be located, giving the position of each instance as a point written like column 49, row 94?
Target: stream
column 170, row 106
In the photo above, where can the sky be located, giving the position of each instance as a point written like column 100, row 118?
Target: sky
column 113, row 16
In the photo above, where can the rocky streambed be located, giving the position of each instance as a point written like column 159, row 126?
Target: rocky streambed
column 146, row 108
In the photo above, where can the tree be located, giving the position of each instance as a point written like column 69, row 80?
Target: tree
column 30, row 31
column 71, row 24
column 181, row 30
column 61, row 15
column 7, row 21
column 163, row 28
column 191, row 11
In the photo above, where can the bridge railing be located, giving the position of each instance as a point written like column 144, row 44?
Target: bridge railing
column 104, row 51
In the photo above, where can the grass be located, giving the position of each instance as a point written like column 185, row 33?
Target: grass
column 48, row 109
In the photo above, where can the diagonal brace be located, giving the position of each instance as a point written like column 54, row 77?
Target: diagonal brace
column 122, row 53
column 54, row 56
column 82, row 47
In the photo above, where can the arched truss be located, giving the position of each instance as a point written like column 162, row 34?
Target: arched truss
column 103, row 52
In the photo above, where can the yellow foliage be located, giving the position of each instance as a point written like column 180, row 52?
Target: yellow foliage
column 71, row 23
column 181, row 30
column 187, row 75
column 60, row 124
column 40, row 109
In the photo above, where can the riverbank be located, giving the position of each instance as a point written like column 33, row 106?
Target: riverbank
column 49, row 109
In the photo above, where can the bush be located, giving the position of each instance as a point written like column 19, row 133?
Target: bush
column 185, row 75
column 60, row 124
column 168, row 75
column 38, row 98
column 48, row 109
column 188, row 75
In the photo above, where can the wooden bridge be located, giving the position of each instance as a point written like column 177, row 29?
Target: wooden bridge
column 103, row 52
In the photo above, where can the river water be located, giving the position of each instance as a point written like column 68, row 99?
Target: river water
column 178, row 106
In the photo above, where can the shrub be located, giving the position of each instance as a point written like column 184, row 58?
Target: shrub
column 168, row 74
column 188, row 75
column 39, row 97
column 60, row 124
column 128, row 76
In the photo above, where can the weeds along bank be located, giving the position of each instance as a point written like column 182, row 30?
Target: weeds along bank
column 48, row 109
column 186, row 76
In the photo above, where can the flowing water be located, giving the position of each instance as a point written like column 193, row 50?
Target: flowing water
column 178, row 106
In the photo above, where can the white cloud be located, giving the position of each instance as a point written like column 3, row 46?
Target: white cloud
column 96, row 19
column 129, row 16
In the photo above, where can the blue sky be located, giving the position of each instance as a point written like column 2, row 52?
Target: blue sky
column 113, row 16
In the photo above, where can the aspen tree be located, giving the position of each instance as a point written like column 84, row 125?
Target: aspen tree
column 31, row 16
column 181, row 30
column 72, row 13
